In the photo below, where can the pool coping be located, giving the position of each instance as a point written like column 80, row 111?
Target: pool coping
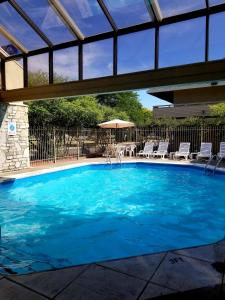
column 32, row 173
column 184, row 255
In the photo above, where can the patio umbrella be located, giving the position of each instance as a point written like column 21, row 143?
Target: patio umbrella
column 116, row 124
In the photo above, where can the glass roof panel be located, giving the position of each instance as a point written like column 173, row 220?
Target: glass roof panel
column 182, row 43
column 98, row 59
column 216, row 2
column 6, row 45
column 129, row 46
column 38, row 69
column 216, row 36
column 177, row 7
column 88, row 16
column 48, row 21
column 65, row 65
column 18, row 27
column 128, row 12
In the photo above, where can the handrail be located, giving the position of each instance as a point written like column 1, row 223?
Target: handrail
column 216, row 166
column 108, row 158
column 208, row 163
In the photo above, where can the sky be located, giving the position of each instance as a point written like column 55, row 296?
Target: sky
column 149, row 101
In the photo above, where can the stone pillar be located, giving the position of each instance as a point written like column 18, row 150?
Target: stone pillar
column 14, row 149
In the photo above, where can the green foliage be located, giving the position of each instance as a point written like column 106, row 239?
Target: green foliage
column 218, row 112
column 88, row 111
column 37, row 78
column 128, row 103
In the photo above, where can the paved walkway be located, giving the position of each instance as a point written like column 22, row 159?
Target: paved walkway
column 198, row 270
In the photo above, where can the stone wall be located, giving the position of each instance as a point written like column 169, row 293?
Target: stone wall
column 14, row 149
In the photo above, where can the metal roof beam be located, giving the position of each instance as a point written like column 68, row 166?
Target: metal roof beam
column 195, row 73
column 157, row 10
column 68, row 21
column 107, row 14
column 12, row 39
column 149, row 8
column 3, row 53
column 28, row 20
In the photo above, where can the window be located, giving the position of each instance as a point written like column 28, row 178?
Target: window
column 88, row 15
column 38, row 71
column 18, row 27
column 182, row 43
column 128, row 12
column 132, row 57
column 177, row 7
column 48, row 21
column 216, row 2
column 65, row 65
column 98, row 59
column 216, row 36
column 7, row 46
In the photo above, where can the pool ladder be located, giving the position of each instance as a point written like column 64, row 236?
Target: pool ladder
column 213, row 170
column 108, row 159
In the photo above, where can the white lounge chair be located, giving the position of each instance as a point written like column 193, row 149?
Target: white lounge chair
column 221, row 154
column 162, row 150
column 147, row 151
column 205, row 151
column 184, row 151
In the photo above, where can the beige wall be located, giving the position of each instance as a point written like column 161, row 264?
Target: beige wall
column 14, row 75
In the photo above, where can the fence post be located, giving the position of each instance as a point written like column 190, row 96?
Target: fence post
column 54, row 146
column 202, row 133
column 78, row 145
column 136, row 135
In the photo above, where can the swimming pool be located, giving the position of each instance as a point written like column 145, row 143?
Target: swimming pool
column 100, row 212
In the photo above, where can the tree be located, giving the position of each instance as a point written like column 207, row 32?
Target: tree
column 127, row 102
column 217, row 110
column 85, row 111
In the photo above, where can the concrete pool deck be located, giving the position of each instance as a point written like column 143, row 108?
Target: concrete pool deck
column 192, row 273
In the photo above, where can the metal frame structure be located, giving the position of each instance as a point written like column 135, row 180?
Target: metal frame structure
column 153, row 9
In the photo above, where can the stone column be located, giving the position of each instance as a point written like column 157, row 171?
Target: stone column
column 14, row 149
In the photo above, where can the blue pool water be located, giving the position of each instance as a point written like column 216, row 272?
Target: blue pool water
column 102, row 212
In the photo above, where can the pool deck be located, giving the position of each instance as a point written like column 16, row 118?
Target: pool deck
column 191, row 273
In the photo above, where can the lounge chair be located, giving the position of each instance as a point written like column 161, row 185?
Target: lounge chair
column 205, row 151
column 184, row 151
column 147, row 151
column 221, row 154
column 162, row 150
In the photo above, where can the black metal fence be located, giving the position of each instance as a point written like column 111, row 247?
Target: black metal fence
column 52, row 144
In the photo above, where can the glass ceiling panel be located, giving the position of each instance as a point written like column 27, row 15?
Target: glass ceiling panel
column 7, row 46
column 128, row 12
column 177, row 7
column 16, row 26
column 88, row 15
column 216, row 2
column 216, row 36
column 65, row 65
column 98, row 59
column 182, row 43
column 129, row 46
column 48, row 21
